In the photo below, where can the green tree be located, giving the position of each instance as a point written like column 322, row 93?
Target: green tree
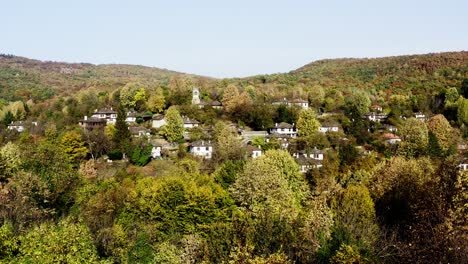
column 10, row 160
column 132, row 95
column 228, row 146
column 443, row 132
column 307, row 124
column 357, row 103
column 65, row 242
column 462, row 113
column 355, row 214
column 122, row 135
column 270, row 181
column 415, row 138
column 174, row 128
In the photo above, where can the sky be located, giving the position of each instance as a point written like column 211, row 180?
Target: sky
column 224, row 39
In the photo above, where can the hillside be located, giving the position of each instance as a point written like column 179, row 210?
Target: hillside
column 23, row 78
column 414, row 74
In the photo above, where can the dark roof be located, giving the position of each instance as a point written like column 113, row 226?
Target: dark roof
column 201, row 143
column 278, row 136
column 93, row 120
column 302, row 160
column 283, row 125
column 105, row 111
column 251, row 148
column 17, row 123
column 137, row 129
column 158, row 117
column 299, row 100
column 188, row 120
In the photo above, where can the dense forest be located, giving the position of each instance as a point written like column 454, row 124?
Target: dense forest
column 339, row 161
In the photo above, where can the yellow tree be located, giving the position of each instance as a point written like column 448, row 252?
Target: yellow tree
column 307, row 124
column 74, row 146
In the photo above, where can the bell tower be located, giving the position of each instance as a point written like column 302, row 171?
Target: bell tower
column 195, row 96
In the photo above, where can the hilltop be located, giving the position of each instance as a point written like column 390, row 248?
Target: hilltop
column 22, row 78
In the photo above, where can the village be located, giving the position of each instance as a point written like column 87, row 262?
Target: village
column 282, row 135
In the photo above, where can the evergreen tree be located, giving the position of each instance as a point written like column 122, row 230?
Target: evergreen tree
column 122, row 134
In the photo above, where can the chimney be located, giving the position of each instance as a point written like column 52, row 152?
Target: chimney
column 276, row 124
column 85, row 118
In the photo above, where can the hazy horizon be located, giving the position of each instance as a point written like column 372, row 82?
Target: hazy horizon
column 224, row 40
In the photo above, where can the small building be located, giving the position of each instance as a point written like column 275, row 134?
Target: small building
column 139, row 131
column 253, row 151
column 391, row 138
column 107, row 114
column 131, row 117
column 156, row 152
column 463, row 165
column 419, row 115
column 215, row 104
column 282, row 101
column 329, row 127
column 282, row 139
column 377, row 108
column 299, row 102
column 190, row 123
column 92, row 123
column 202, row 148
column 284, row 128
column 20, row 126
column 306, row 163
column 315, row 153
column 375, row 117
column 294, row 102
column 389, row 128
column 158, row 121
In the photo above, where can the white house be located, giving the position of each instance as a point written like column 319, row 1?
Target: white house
column 131, row 117
column 158, row 121
column 202, row 148
column 190, row 123
column 295, row 102
column 156, row 152
column 420, row 115
column 20, row 126
column 463, row 165
column 108, row 114
column 375, row 117
column 299, row 102
column 254, row 152
column 281, row 138
column 284, row 129
column 377, row 108
column 315, row 154
column 328, row 127
column 391, row 138
column 306, row 163
column 139, row 131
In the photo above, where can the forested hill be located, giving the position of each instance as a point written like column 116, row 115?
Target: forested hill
column 401, row 72
column 414, row 74
column 22, row 78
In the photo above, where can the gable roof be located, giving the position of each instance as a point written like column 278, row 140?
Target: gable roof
column 201, row 143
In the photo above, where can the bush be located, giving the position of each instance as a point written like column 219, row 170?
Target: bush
column 115, row 154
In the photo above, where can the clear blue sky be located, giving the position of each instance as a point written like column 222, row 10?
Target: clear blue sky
column 229, row 38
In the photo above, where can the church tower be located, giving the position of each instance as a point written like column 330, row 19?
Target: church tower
column 195, row 96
